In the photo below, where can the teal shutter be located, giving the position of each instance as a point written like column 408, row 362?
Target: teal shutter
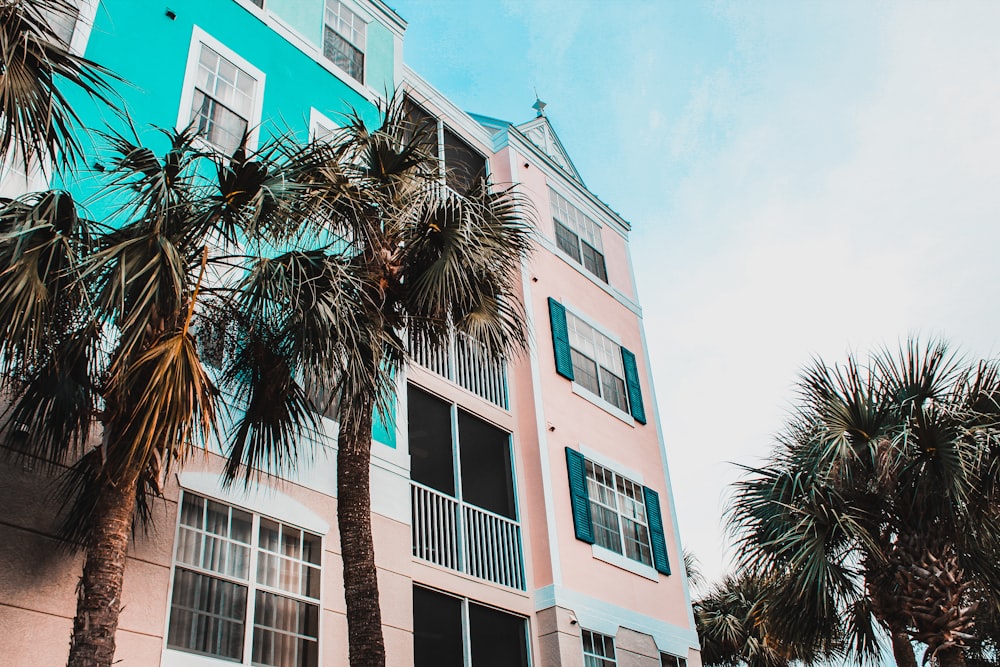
column 632, row 385
column 658, row 542
column 560, row 339
column 578, row 496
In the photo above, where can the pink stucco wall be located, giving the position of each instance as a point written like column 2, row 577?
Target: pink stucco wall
column 570, row 420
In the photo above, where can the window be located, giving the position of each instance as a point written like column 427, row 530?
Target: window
column 442, row 622
column 462, row 166
column 616, row 513
column 595, row 362
column 598, row 650
column 618, row 510
column 230, row 566
column 464, row 515
column 668, row 660
column 485, row 472
column 344, row 39
column 578, row 236
column 221, row 98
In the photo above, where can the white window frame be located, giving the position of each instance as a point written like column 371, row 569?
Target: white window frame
column 201, row 38
column 675, row 660
column 620, row 499
column 598, row 659
column 585, row 227
column 363, row 47
column 176, row 657
column 321, row 126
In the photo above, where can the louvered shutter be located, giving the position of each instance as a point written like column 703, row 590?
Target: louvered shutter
column 657, row 540
column 577, row 469
column 632, row 385
column 560, row 339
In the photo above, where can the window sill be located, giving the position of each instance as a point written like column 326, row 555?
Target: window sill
column 585, row 393
column 625, row 563
column 175, row 658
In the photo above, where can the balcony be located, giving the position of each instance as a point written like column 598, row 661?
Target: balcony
column 464, row 362
column 462, row 537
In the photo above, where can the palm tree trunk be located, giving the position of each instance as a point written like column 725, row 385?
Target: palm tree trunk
column 366, row 647
column 902, row 648
column 99, row 599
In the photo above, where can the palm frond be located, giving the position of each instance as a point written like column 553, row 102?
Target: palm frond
column 53, row 406
column 37, row 120
column 274, row 431
column 160, row 405
column 42, row 243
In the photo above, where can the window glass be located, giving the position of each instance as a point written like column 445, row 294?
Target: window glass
column 496, row 638
column 667, row 660
column 578, row 235
column 464, row 166
column 461, row 164
column 344, row 39
column 223, row 100
column 567, row 241
column 213, row 587
column 597, row 362
column 598, row 650
column 618, row 512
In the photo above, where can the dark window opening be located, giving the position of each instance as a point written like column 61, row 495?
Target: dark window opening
column 464, row 166
column 431, row 461
column 497, row 639
column 437, row 630
column 486, row 465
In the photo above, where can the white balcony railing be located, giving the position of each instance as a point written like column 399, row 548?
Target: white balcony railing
column 466, row 538
column 464, row 362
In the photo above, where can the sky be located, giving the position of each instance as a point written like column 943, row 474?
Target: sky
column 803, row 179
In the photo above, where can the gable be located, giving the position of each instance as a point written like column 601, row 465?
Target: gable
column 539, row 131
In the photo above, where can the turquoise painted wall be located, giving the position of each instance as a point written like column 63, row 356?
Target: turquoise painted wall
column 303, row 16
column 139, row 42
column 136, row 40
column 379, row 59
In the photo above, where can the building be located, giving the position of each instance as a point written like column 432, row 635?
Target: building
column 522, row 515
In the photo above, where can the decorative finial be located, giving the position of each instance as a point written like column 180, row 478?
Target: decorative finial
column 539, row 105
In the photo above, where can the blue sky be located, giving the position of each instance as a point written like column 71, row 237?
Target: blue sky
column 802, row 178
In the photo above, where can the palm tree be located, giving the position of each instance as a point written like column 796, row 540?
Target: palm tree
column 310, row 260
column 96, row 341
column 881, row 497
column 37, row 121
column 404, row 252
column 738, row 623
